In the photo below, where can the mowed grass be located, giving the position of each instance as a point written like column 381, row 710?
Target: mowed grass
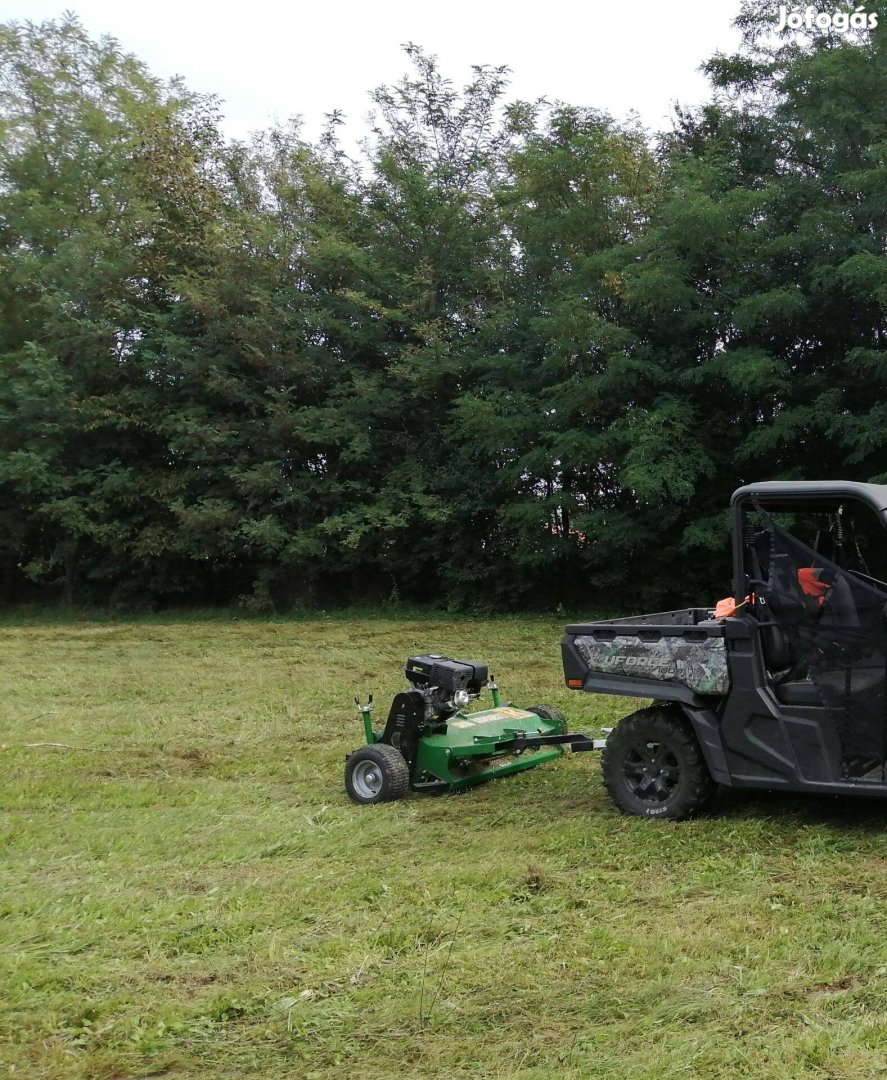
column 191, row 894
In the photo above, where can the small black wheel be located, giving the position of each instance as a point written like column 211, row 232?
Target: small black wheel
column 375, row 774
column 653, row 767
column 549, row 712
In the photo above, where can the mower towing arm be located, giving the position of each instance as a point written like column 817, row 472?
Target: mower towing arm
column 576, row 742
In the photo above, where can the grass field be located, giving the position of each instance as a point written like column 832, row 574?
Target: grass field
column 188, row 893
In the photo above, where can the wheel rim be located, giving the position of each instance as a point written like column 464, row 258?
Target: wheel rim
column 367, row 779
column 652, row 771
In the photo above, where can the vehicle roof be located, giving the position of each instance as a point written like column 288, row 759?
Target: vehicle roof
column 792, row 490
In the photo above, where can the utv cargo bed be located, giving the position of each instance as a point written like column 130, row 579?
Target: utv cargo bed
column 681, row 654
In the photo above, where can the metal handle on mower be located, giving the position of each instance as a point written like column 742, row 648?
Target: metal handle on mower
column 366, row 714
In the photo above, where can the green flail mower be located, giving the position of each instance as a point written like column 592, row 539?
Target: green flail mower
column 431, row 744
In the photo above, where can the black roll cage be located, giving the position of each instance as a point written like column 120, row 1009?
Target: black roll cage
column 796, row 495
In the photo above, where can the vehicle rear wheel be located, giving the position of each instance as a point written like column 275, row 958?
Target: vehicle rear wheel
column 653, row 767
column 375, row 774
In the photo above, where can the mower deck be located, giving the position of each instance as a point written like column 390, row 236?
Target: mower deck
column 471, row 749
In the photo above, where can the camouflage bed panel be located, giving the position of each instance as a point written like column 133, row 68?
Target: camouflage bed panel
column 700, row 665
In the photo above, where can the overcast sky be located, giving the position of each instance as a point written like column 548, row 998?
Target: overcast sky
column 269, row 61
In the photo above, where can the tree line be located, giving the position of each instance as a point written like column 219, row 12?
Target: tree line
column 509, row 354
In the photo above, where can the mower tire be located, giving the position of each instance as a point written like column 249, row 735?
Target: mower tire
column 653, row 767
column 376, row 774
column 549, row 712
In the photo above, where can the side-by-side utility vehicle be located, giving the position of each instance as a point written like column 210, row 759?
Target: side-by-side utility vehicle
column 783, row 686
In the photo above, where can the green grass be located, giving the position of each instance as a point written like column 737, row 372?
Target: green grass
column 191, row 894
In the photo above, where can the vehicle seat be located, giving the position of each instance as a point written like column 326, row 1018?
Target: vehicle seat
column 863, row 679
column 801, row 692
column 809, row 603
column 785, row 605
column 779, row 654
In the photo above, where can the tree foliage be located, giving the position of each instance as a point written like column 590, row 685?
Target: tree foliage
column 515, row 353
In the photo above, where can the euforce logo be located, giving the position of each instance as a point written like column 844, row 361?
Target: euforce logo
column 842, row 21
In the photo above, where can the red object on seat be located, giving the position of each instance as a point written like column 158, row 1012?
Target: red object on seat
column 810, row 583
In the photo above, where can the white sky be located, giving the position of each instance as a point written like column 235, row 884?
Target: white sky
column 269, row 61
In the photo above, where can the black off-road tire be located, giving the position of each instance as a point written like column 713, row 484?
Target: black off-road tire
column 653, row 766
column 549, row 712
column 376, row 774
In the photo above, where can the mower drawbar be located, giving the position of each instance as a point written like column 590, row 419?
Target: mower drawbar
column 430, row 743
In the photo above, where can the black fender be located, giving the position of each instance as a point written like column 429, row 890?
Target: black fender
column 707, row 728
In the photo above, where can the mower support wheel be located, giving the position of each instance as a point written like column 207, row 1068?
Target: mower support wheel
column 549, row 712
column 653, row 767
column 375, row 774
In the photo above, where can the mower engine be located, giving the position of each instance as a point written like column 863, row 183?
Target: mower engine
column 446, row 685
column 439, row 688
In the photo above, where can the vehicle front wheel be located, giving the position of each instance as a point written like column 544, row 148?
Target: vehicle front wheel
column 653, row 767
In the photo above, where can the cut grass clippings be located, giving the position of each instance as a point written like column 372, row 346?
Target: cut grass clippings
column 186, row 890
